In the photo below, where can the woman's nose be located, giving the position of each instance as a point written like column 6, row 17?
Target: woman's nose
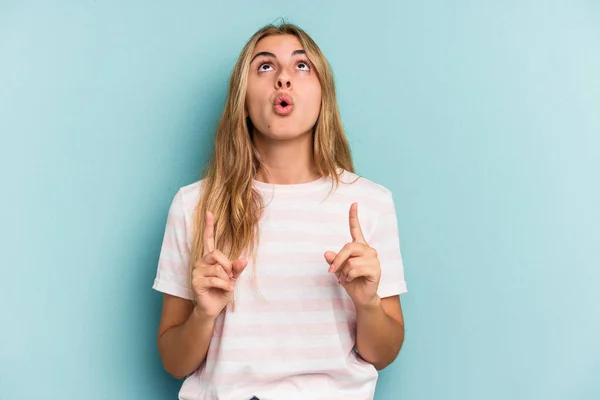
column 283, row 81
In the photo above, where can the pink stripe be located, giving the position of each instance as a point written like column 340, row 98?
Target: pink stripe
column 294, row 353
column 275, row 329
column 291, row 306
column 389, row 253
column 176, row 267
column 291, row 259
column 176, row 224
column 275, row 282
column 366, row 197
column 312, row 377
column 173, row 243
column 319, row 217
column 291, row 236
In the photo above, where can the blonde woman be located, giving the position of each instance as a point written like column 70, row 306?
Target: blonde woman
column 281, row 268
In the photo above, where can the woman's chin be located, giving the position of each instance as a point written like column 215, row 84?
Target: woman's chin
column 283, row 134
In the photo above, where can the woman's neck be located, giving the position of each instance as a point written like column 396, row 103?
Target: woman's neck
column 286, row 162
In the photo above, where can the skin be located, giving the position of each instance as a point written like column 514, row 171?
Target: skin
column 285, row 144
column 380, row 323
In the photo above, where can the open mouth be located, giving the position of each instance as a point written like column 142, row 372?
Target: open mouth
column 283, row 104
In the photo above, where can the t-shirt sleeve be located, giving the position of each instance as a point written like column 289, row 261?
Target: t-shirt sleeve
column 385, row 240
column 173, row 273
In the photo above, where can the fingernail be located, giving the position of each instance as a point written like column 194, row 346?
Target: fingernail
column 347, row 279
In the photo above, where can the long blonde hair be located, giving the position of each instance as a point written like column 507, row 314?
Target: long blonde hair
column 227, row 189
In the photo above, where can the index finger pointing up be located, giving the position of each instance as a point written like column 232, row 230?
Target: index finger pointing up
column 355, row 230
column 209, row 233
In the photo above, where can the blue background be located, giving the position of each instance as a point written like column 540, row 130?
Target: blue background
column 482, row 117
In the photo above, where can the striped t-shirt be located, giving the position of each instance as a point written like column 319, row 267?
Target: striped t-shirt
column 294, row 337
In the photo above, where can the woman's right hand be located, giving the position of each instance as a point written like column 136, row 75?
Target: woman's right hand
column 214, row 276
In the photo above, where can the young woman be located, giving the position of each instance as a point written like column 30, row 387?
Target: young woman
column 281, row 268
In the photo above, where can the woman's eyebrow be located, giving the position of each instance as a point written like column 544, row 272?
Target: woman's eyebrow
column 268, row 54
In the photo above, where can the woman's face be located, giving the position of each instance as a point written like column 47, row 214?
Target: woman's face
column 283, row 98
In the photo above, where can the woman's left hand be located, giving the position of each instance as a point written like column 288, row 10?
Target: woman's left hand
column 356, row 265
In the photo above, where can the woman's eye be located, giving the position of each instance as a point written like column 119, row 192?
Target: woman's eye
column 303, row 66
column 264, row 67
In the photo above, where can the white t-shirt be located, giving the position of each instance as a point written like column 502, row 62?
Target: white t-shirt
column 295, row 338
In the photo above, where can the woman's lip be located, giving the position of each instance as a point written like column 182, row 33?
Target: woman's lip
column 283, row 97
column 281, row 110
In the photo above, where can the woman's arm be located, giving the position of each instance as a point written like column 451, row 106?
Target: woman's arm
column 380, row 331
column 380, row 324
column 184, row 335
column 185, row 331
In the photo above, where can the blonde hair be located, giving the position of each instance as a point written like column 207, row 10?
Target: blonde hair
column 227, row 189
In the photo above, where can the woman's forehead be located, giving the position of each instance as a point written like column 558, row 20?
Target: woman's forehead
column 279, row 45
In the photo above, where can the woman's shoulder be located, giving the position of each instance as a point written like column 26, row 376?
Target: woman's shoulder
column 357, row 183
column 375, row 201
column 187, row 197
column 192, row 191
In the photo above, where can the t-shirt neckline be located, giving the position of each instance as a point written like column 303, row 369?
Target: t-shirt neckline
column 293, row 188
